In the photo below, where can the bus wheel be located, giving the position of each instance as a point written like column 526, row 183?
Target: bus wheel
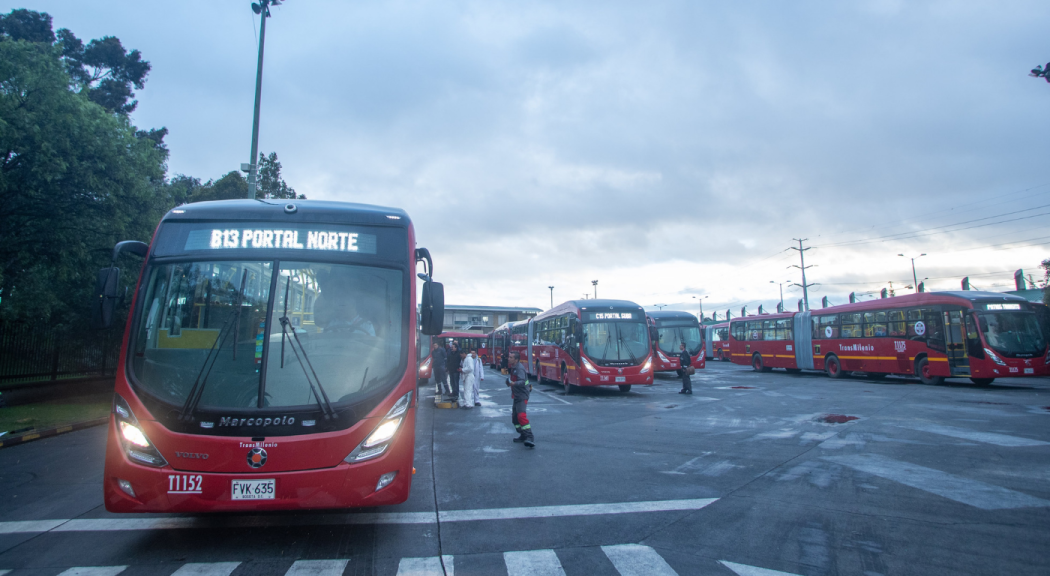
column 757, row 364
column 539, row 375
column 722, row 356
column 982, row 381
column 565, row 382
column 922, row 369
column 833, row 367
column 625, row 388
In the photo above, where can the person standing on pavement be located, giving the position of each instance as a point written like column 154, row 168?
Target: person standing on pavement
column 453, row 369
column 466, row 367
column 479, row 375
column 518, row 381
column 686, row 362
column 439, row 364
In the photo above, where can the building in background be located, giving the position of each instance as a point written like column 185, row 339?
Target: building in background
column 483, row 319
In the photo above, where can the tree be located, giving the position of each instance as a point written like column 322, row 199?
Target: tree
column 1046, row 281
column 231, row 186
column 1040, row 72
column 75, row 178
column 271, row 185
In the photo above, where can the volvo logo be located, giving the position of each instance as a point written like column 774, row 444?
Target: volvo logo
column 256, row 457
column 619, row 370
column 194, row 455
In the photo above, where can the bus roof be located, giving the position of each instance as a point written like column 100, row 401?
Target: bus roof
column 920, row 299
column 461, row 335
column 573, row 305
column 671, row 315
column 305, row 211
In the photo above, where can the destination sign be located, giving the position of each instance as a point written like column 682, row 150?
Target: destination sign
column 1002, row 307
column 613, row 316
column 281, row 239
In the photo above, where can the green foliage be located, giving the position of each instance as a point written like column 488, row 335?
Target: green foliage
column 270, row 184
column 74, row 180
column 1040, row 72
column 231, row 186
column 1046, row 281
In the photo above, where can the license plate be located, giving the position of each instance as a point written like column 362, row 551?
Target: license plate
column 253, row 489
column 1029, row 370
column 621, row 378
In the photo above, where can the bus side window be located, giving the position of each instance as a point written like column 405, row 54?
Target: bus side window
column 896, row 323
column 851, row 325
column 973, row 341
column 769, row 330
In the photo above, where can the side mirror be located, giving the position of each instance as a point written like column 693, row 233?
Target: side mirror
column 108, row 296
column 432, row 308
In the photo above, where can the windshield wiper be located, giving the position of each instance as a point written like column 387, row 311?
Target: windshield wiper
column 620, row 340
column 197, row 390
column 304, row 361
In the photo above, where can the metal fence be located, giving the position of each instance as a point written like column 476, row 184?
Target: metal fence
column 30, row 352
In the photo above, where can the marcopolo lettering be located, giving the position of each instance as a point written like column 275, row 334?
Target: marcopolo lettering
column 269, row 421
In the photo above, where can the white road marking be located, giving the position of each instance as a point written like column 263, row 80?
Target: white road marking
column 638, row 560
column 220, row 522
column 91, row 571
column 573, row 510
column 552, row 396
column 317, row 568
column 207, row 569
column 2, row 572
column 430, row 566
column 533, row 563
column 984, row 437
column 964, row 490
column 745, row 570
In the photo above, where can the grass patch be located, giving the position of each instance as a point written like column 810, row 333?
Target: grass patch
column 56, row 413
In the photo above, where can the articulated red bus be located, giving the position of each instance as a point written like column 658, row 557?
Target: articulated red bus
column 480, row 343
column 716, row 341
column 668, row 329
column 509, row 337
column 591, row 343
column 269, row 360
column 977, row 335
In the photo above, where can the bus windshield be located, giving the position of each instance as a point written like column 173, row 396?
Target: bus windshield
column 342, row 322
column 616, row 341
column 1013, row 333
column 671, row 336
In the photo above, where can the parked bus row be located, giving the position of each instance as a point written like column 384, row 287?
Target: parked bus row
column 935, row 335
column 584, row 343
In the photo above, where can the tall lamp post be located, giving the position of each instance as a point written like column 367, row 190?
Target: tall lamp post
column 595, row 284
column 701, row 302
column 781, row 291
column 552, row 295
column 660, row 306
column 914, row 278
column 262, row 8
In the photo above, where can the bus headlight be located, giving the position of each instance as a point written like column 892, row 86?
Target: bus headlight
column 662, row 357
column 587, row 364
column 994, row 358
column 133, row 440
column 648, row 365
column 379, row 440
column 425, row 365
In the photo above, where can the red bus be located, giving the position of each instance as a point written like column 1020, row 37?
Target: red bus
column 468, row 341
column 509, row 337
column 269, row 360
column 716, row 341
column 426, row 370
column 970, row 334
column 668, row 329
column 591, row 343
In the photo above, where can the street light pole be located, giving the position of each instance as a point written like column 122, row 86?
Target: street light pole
column 595, row 283
column 262, row 8
column 701, row 302
column 914, row 277
column 552, row 295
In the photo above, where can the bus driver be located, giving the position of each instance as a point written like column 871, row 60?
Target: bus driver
column 340, row 314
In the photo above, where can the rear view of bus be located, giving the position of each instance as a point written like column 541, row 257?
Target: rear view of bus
column 270, row 360
column 669, row 329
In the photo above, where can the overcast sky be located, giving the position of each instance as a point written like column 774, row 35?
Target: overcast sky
column 667, row 149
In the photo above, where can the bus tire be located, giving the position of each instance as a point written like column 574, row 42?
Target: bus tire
column 922, row 370
column 539, row 375
column 625, row 388
column 982, row 381
column 565, row 381
column 758, row 365
column 833, row 367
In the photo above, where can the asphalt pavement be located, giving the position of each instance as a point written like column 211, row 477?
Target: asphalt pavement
column 755, row 474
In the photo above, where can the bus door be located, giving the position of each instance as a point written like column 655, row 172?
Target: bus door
column 955, row 342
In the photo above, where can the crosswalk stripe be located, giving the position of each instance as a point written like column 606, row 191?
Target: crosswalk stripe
column 2, row 572
column 92, row 571
column 745, row 570
column 429, row 566
column 972, row 492
column 207, row 569
column 637, row 560
column 574, row 510
column 533, row 563
column 317, row 568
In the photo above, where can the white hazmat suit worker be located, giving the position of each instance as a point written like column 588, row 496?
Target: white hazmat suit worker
column 479, row 375
column 466, row 381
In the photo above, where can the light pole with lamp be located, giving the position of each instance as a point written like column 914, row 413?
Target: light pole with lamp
column 552, row 295
column 595, row 284
column 914, row 278
column 660, row 306
column 781, row 292
column 262, row 8
column 700, row 301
